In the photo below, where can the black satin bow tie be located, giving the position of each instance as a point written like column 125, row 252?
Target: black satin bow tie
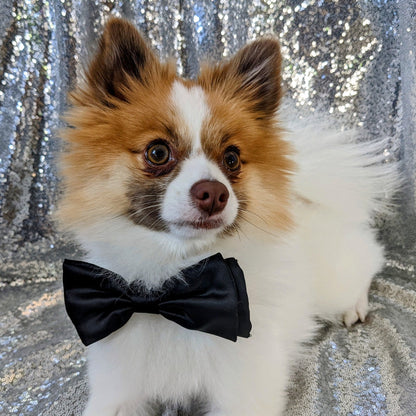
column 210, row 297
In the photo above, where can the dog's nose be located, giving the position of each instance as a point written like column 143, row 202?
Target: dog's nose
column 209, row 196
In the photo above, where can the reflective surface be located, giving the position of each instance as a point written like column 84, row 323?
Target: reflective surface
column 354, row 60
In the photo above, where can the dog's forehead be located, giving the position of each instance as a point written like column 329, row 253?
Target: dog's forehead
column 190, row 106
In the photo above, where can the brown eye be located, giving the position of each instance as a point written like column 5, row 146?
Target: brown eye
column 158, row 153
column 232, row 159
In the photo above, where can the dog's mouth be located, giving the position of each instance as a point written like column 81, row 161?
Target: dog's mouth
column 201, row 224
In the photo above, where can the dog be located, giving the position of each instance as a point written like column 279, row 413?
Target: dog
column 160, row 173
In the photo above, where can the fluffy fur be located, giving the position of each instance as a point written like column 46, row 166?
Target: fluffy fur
column 297, row 219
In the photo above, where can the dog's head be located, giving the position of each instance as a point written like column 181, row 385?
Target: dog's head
column 191, row 158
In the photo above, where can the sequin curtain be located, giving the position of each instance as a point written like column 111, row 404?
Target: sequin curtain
column 352, row 60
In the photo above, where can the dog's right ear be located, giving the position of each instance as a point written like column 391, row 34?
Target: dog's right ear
column 253, row 75
column 123, row 57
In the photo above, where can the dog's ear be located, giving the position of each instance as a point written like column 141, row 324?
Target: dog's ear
column 123, row 57
column 253, row 74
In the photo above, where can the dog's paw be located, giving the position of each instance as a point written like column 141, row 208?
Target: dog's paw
column 358, row 312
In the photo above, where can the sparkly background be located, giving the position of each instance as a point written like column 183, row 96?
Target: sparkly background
column 355, row 60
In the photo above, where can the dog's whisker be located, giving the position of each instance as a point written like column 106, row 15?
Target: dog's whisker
column 258, row 227
column 144, row 208
column 245, row 210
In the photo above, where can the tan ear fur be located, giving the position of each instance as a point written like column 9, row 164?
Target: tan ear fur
column 123, row 57
column 253, row 74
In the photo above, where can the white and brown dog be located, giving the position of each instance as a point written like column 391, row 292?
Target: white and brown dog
column 161, row 172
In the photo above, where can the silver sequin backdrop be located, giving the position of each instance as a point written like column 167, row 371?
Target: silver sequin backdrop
column 354, row 60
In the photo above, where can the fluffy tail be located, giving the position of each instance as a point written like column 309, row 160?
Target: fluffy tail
column 338, row 170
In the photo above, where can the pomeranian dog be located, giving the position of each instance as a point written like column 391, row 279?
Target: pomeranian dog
column 161, row 172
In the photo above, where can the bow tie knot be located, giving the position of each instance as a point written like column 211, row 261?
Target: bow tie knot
column 146, row 305
column 210, row 297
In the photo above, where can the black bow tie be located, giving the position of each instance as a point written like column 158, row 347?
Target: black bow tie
column 210, row 297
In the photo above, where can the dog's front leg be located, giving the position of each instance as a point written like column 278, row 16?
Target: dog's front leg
column 251, row 382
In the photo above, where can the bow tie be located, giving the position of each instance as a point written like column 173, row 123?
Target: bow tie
column 209, row 296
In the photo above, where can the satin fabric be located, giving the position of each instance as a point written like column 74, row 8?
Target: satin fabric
column 210, row 296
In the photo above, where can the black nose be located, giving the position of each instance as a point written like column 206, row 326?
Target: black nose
column 209, row 196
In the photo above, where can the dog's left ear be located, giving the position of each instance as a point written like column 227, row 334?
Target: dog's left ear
column 123, row 57
column 253, row 75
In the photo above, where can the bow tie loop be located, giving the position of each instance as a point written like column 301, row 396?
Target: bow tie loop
column 210, row 297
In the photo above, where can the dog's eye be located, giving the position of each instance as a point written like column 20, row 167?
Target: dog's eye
column 232, row 159
column 158, row 153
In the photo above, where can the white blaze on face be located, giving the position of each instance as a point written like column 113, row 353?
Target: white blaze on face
column 178, row 210
column 192, row 108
